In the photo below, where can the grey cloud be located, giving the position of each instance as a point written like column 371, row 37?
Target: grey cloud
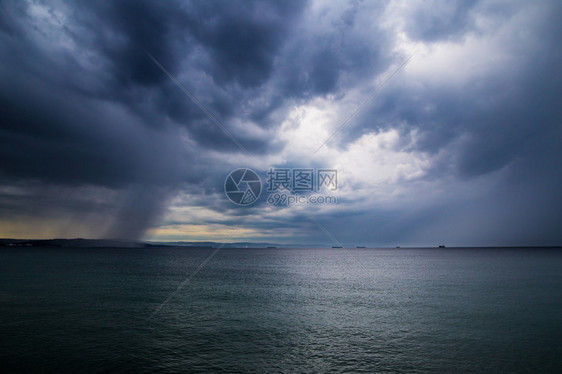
column 491, row 120
column 84, row 106
column 243, row 38
column 433, row 20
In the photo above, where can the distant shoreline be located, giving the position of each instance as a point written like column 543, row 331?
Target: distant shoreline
column 106, row 243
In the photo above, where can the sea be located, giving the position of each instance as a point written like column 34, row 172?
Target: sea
column 274, row 310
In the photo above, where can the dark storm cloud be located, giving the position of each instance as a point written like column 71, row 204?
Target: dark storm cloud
column 234, row 44
column 316, row 63
column 86, row 111
column 84, row 105
column 242, row 38
column 503, row 114
column 434, row 20
column 505, row 119
column 238, row 40
column 59, row 138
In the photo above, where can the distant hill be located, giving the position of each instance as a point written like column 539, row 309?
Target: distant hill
column 107, row 243
column 65, row 243
column 237, row 245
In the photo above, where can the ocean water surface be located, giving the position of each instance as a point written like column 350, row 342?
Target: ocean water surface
column 281, row 310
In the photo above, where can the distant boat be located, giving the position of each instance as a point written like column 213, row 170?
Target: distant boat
column 359, row 246
column 337, row 246
column 442, row 246
column 397, row 246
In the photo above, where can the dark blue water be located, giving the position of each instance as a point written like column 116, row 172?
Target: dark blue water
column 281, row 310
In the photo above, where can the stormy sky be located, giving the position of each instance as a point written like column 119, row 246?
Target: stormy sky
column 122, row 119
